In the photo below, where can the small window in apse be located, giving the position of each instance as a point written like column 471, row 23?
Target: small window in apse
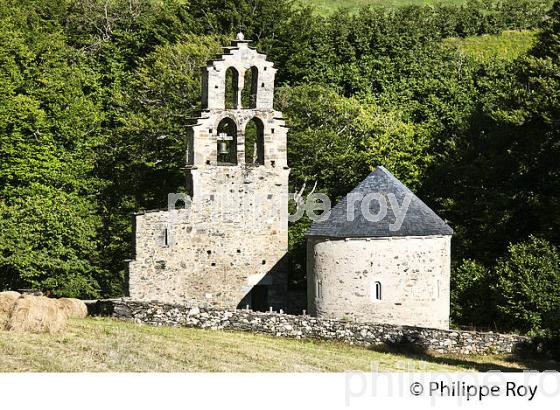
column 376, row 291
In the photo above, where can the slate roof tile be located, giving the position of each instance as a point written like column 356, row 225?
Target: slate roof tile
column 419, row 219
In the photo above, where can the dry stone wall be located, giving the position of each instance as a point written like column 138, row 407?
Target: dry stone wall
column 283, row 325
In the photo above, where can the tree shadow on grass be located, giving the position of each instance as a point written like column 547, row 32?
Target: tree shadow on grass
column 415, row 352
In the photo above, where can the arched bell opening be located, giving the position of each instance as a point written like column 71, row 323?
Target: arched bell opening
column 250, row 86
column 232, row 89
column 254, row 142
column 226, row 141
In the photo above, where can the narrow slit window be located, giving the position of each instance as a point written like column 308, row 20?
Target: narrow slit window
column 165, row 237
column 376, row 291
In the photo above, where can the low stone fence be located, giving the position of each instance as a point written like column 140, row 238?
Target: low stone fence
column 279, row 324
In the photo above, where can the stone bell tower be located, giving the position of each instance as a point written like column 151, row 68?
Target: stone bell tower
column 227, row 246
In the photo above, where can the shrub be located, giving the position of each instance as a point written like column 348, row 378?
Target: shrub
column 471, row 294
column 528, row 285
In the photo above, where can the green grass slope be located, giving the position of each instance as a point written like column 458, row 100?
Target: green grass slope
column 507, row 45
column 328, row 6
column 102, row 344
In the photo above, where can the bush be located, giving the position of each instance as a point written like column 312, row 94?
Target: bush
column 471, row 298
column 528, row 286
column 543, row 345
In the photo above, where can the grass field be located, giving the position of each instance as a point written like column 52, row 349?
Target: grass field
column 328, row 6
column 507, row 45
column 102, row 344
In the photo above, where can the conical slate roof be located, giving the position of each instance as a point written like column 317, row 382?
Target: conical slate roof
column 417, row 220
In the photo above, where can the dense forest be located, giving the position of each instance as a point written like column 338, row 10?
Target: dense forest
column 95, row 96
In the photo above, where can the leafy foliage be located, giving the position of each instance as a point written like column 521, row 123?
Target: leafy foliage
column 164, row 93
column 472, row 299
column 508, row 45
column 335, row 141
column 95, row 97
column 528, row 286
column 50, row 134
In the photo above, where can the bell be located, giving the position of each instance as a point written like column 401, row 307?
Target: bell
column 223, row 148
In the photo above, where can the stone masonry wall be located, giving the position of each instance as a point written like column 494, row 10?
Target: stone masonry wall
column 240, row 57
column 228, row 240
column 413, row 272
column 227, row 247
column 282, row 325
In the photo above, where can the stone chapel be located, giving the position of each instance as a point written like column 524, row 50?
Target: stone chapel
column 224, row 242
column 387, row 271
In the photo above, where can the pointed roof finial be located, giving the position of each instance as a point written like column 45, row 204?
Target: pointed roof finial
column 240, row 36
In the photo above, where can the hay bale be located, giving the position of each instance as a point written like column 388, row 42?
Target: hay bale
column 36, row 314
column 10, row 293
column 7, row 301
column 73, row 308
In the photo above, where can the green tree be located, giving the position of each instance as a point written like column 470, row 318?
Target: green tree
column 335, row 141
column 50, row 134
column 162, row 98
column 472, row 298
column 548, row 45
column 500, row 181
column 529, row 286
column 144, row 158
